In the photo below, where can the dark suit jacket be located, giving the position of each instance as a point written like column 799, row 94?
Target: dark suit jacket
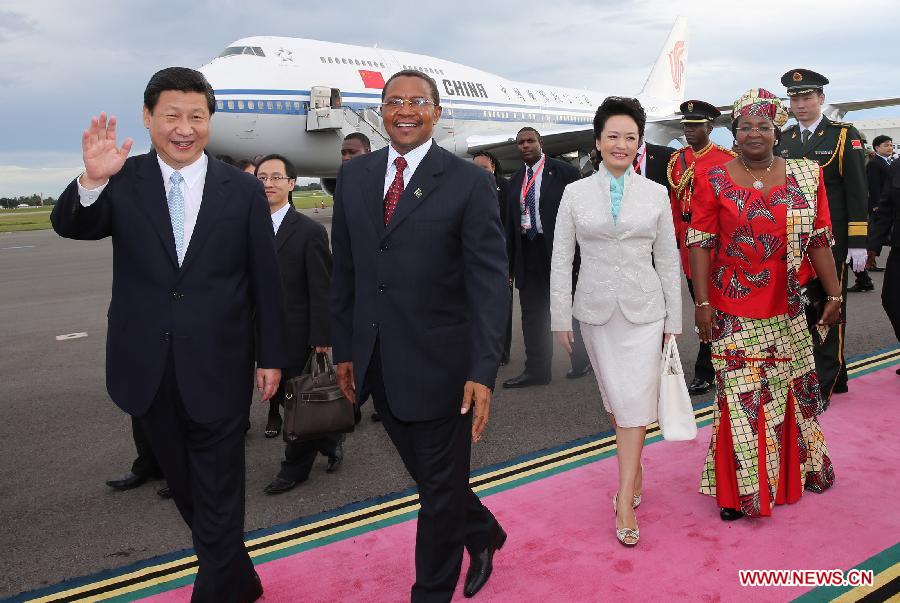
column 884, row 228
column 304, row 261
column 877, row 170
column 430, row 287
column 657, row 161
column 556, row 175
column 216, row 314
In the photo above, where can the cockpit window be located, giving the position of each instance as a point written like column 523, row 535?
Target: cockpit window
column 251, row 50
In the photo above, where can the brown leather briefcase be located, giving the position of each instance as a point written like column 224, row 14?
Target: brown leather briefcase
column 313, row 403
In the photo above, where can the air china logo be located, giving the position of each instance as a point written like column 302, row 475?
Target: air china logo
column 676, row 64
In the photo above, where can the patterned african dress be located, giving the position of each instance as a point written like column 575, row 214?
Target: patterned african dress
column 766, row 443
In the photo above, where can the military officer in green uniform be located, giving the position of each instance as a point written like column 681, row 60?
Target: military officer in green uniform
column 837, row 147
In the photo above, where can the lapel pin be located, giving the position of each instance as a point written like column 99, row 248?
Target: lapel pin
column 418, row 193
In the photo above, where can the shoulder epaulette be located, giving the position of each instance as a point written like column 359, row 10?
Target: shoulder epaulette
column 841, row 124
column 729, row 151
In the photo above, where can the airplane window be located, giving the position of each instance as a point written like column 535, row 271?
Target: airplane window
column 240, row 104
column 231, row 50
column 269, row 105
column 278, row 105
column 323, row 59
column 296, row 105
column 357, row 61
column 329, row 60
column 382, row 66
column 251, row 105
column 231, row 104
column 344, row 61
column 220, row 105
column 258, row 51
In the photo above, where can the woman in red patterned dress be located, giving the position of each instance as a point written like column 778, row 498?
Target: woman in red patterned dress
column 768, row 219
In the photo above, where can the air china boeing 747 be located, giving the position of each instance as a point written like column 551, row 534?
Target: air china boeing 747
column 300, row 97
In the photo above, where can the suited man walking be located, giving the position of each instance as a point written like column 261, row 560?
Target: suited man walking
column 418, row 309
column 535, row 191
column 304, row 262
column 196, row 301
column 885, row 230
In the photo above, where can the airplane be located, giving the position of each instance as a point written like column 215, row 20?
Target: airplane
column 300, row 97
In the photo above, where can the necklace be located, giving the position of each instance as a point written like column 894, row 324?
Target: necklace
column 757, row 182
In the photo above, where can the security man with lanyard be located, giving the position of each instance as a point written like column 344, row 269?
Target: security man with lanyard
column 700, row 154
column 838, row 148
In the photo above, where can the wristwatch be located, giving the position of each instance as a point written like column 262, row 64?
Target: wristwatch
column 837, row 298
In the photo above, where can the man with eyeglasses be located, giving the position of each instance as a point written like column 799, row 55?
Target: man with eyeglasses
column 304, row 263
column 419, row 297
column 838, row 148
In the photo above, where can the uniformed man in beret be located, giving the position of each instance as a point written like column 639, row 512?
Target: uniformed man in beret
column 838, row 148
column 697, row 120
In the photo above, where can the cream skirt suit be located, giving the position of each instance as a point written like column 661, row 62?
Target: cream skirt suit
column 629, row 287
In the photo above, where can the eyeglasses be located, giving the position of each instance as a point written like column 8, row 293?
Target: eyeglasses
column 274, row 179
column 760, row 130
column 393, row 104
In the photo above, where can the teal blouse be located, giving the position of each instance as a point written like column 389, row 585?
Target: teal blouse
column 616, row 190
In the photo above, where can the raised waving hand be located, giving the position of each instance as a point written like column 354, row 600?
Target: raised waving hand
column 102, row 158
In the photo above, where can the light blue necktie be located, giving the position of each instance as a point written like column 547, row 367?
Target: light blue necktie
column 176, row 213
column 530, row 201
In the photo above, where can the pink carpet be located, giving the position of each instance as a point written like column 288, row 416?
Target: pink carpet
column 562, row 546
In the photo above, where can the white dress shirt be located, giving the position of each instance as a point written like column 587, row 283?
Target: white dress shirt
column 413, row 159
column 812, row 127
column 278, row 216
column 642, row 155
column 193, row 180
column 538, row 178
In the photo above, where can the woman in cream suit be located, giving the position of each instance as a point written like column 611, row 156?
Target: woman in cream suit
column 628, row 296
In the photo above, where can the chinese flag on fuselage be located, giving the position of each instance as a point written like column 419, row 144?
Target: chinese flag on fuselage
column 372, row 79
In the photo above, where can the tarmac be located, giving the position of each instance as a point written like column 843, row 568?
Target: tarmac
column 61, row 437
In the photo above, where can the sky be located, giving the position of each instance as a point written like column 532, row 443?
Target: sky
column 62, row 62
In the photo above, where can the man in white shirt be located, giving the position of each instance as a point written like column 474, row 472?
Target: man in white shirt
column 196, row 303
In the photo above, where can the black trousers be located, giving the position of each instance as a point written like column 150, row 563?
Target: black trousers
column 890, row 293
column 204, row 466
column 534, row 297
column 437, row 456
column 703, row 366
column 828, row 354
column 300, row 456
column 145, row 463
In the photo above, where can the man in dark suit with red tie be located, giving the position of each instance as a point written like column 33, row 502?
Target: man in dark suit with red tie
column 196, row 302
column 535, row 192
column 418, row 312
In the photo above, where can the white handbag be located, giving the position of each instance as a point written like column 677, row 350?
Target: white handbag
column 676, row 414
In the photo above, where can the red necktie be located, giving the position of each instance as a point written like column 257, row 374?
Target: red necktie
column 637, row 164
column 395, row 190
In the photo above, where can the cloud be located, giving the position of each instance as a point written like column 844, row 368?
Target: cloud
column 63, row 61
column 16, row 181
column 14, row 24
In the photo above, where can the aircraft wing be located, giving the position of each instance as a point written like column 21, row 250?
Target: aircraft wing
column 566, row 140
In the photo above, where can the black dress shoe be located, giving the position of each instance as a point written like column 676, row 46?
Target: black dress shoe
column 861, row 287
column 335, row 460
column 699, row 386
column 875, row 269
column 525, row 380
column 279, row 486
column 273, row 427
column 575, row 373
column 164, row 492
column 127, row 481
column 254, row 591
column 482, row 564
column 730, row 514
column 376, row 418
